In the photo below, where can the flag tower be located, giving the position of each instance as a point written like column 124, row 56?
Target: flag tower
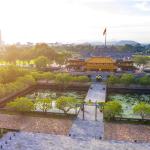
column 105, row 34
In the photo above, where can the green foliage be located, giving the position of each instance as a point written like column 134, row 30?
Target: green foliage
column 64, row 78
column 142, row 109
column 128, row 101
column 62, row 57
column 11, row 73
column 112, row 109
column 43, row 75
column 112, row 79
column 139, row 59
column 66, row 103
column 26, row 80
column 44, row 104
column 145, row 80
column 81, row 79
column 21, row 104
column 127, row 79
column 20, row 83
column 22, row 55
column 41, row 61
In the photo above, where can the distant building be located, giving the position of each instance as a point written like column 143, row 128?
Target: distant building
column 76, row 64
column 125, row 65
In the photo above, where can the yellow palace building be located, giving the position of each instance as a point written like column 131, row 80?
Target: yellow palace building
column 93, row 64
column 100, row 64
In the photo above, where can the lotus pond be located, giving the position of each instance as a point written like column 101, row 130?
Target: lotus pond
column 79, row 95
column 128, row 101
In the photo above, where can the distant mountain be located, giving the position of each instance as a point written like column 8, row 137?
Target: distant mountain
column 122, row 42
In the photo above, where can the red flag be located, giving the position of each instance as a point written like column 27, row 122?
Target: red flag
column 105, row 31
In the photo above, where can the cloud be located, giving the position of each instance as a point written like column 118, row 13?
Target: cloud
column 143, row 5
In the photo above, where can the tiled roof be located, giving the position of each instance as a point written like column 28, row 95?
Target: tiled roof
column 100, row 60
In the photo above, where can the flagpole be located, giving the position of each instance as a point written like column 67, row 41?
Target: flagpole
column 105, row 39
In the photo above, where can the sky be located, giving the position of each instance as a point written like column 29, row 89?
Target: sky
column 71, row 21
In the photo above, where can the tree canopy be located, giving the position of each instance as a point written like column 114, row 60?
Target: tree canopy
column 66, row 103
column 41, row 61
column 44, row 104
column 142, row 109
column 21, row 104
column 112, row 109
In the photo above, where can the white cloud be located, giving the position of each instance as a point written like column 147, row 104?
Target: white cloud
column 143, row 5
column 72, row 20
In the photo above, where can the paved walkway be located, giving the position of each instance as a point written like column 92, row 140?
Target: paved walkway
column 40, row 141
column 97, row 92
column 89, row 128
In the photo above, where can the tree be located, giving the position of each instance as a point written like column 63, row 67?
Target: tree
column 66, row 103
column 44, row 50
column 142, row 109
column 21, row 104
column 127, row 79
column 63, row 78
column 41, row 62
column 27, row 80
column 141, row 60
column 62, row 57
column 145, row 80
column 44, row 104
column 112, row 109
column 112, row 79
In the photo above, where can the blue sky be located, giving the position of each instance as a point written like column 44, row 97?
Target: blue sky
column 74, row 20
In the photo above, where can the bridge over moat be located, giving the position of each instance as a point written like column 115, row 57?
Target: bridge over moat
column 87, row 125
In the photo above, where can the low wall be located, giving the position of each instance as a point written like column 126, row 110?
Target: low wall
column 77, row 86
column 128, row 89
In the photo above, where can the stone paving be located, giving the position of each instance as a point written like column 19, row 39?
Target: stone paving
column 89, row 128
column 36, row 124
column 96, row 93
column 127, row 132
column 40, row 141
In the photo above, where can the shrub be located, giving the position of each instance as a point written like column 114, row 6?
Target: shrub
column 81, row 79
column 145, row 80
column 21, row 104
column 142, row 109
column 112, row 79
column 112, row 109
column 127, row 79
column 63, row 78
